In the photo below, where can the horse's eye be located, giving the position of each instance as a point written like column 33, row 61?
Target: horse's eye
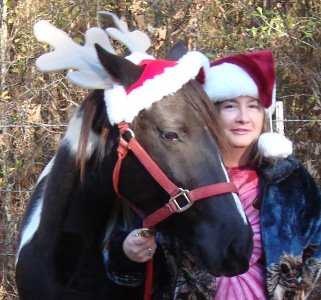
column 170, row 135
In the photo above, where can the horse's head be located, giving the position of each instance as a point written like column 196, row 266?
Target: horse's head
column 180, row 134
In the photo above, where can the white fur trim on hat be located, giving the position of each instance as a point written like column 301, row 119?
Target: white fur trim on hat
column 228, row 81
column 137, row 57
column 274, row 145
column 123, row 107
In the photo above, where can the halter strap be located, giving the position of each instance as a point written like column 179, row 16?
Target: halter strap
column 177, row 194
column 190, row 196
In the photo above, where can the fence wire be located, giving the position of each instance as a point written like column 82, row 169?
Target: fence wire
column 65, row 125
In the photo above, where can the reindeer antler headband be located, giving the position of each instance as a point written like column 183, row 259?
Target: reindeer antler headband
column 70, row 55
column 160, row 78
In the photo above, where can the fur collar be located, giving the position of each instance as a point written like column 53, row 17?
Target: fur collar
column 279, row 170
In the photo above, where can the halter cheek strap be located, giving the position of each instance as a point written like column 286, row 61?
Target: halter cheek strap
column 180, row 199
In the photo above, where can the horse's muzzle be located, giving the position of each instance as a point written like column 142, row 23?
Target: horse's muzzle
column 236, row 259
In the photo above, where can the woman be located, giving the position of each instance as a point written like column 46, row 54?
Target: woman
column 281, row 200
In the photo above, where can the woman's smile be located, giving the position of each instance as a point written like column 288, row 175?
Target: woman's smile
column 240, row 131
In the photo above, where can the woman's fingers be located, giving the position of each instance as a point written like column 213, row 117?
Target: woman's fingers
column 139, row 248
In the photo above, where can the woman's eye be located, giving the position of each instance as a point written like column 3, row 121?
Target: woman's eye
column 228, row 106
column 172, row 136
column 255, row 108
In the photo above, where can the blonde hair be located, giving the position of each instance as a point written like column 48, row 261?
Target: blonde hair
column 255, row 157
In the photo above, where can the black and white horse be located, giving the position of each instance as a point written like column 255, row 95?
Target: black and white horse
column 60, row 255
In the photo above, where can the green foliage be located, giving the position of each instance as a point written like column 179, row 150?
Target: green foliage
column 8, row 4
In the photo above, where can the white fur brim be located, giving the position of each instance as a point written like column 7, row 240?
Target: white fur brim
column 228, row 81
column 274, row 146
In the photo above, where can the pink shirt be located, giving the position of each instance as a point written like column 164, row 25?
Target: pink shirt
column 250, row 285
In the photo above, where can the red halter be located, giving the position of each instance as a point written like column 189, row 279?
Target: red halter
column 173, row 206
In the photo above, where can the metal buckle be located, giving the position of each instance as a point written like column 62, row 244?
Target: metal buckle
column 184, row 194
column 128, row 130
column 145, row 232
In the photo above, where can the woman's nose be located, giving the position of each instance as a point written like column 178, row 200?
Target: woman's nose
column 243, row 115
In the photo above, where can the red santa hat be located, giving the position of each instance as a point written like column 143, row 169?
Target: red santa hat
column 251, row 75
column 160, row 78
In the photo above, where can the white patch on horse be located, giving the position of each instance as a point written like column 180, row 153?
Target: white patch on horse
column 235, row 196
column 34, row 219
column 31, row 227
column 46, row 170
column 72, row 136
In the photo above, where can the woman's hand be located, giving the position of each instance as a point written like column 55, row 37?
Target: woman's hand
column 139, row 248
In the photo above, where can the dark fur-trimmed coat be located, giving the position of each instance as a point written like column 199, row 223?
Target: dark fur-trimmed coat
column 290, row 229
column 291, row 236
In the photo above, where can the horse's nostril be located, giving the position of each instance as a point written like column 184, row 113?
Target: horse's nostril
column 233, row 249
column 236, row 259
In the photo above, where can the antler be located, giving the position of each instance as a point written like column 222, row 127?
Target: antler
column 70, row 55
column 135, row 40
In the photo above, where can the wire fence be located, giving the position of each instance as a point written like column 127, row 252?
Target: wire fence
column 2, row 126
column 31, row 125
column 65, row 125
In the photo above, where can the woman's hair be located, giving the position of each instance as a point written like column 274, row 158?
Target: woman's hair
column 255, row 157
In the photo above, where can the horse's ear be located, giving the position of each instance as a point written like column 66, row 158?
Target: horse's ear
column 120, row 69
column 177, row 51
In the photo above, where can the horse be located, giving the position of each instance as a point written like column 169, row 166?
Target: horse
column 63, row 235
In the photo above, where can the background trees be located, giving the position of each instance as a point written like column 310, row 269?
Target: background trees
column 35, row 107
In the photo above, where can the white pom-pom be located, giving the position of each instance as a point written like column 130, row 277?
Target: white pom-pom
column 274, row 145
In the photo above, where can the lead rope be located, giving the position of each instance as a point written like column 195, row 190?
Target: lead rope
column 149, row 279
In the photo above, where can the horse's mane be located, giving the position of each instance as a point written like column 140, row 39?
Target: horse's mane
column 95, row 119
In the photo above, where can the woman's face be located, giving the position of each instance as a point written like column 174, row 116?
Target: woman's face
column 242, row 120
